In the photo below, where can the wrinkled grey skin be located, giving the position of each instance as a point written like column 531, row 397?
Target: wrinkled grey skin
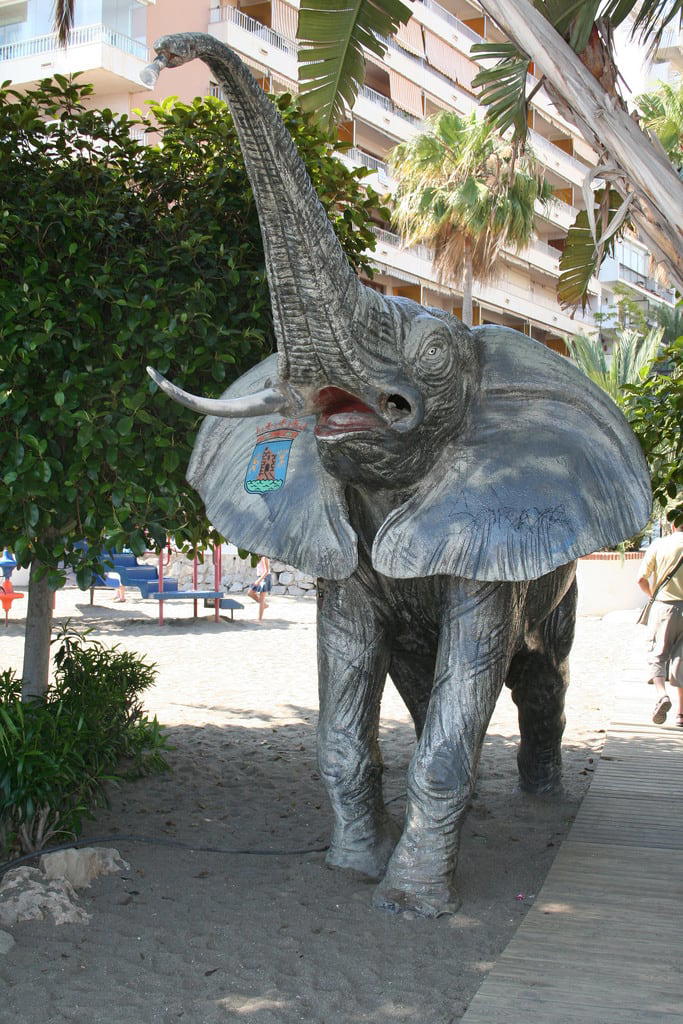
column 441, row 492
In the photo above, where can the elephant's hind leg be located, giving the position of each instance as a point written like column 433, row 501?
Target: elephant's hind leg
column 538, row 678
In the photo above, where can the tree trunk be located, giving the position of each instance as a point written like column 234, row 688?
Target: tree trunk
column 603, row 122
column 38, row 633
column 467, row 286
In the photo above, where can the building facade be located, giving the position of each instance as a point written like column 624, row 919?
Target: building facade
column 426, row 68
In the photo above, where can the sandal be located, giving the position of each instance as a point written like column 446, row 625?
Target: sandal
column 662, row 707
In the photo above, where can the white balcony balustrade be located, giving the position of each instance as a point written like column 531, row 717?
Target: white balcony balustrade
column 109, row 59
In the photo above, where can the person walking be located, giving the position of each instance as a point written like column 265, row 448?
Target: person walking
column 261, row 586
column 661, row 578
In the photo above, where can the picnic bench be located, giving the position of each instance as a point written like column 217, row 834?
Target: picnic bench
column 215, row 598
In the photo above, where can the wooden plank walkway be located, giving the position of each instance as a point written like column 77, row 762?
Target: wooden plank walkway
column 603, row 943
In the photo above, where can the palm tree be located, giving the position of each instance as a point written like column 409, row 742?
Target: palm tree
column 632, row 357
column 461, row 190
column 663, row 114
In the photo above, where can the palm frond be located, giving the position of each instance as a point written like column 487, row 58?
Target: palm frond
column 504, row 86
column 651, row 17
column 581, row 257
column 332, row 35
column 64, row 19
column 662, row 112
column 633, row 355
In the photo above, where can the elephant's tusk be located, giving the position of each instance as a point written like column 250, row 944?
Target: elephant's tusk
column 261, row 403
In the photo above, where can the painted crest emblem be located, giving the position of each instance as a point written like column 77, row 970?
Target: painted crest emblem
column 267, row 467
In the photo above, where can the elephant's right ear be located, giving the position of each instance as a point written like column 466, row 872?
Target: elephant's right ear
column 265, row 489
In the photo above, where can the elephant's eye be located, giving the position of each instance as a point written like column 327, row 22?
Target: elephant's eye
column 434, row 350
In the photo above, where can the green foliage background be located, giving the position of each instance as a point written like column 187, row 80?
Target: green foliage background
column 115, row 255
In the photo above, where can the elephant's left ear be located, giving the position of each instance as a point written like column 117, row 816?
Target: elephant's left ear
column 265, row 490
column 546, row 470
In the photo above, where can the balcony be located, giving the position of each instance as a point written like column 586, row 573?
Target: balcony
column 379, row 111
column 534, row 304
column 614, row 272
column 671, row 47
column 557, row 212
column 112, row 62
column 444, row 24
column 380, row 177
column 412, row 263
column 567, row 166
column 255, row 42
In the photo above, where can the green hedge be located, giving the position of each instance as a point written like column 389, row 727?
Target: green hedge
column 56, row 754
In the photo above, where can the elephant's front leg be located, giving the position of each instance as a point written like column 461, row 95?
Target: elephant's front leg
column 481, row 622
column 352, row 665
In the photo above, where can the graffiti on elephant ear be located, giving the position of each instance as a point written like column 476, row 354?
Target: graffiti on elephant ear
column 267, row 467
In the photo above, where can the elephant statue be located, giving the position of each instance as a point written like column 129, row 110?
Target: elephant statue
column 439, row 481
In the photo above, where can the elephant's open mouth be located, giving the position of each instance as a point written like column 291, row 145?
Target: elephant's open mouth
column 340, row 412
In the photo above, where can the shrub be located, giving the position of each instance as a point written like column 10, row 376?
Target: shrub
column 56, row 754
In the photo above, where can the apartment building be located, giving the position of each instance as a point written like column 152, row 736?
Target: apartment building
column 426, row 68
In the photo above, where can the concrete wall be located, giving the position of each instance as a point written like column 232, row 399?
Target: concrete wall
column 607, row 582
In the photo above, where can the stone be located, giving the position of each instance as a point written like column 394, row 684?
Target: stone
column 80, row 867
column 286, row 578
column 27, row 895
column 277, row 589
column 295, row 592
column 236, row 588
column 6, row 942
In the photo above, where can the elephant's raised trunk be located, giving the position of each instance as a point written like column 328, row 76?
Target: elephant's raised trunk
column 315, row 293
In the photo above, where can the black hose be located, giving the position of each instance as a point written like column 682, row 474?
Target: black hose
column 157, row 841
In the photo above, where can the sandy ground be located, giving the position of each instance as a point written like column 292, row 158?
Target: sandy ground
column 203, row 937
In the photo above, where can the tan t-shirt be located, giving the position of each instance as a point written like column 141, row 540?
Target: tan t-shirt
column 659, row 560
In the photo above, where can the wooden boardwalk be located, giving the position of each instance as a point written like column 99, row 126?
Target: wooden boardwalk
column 603, row 943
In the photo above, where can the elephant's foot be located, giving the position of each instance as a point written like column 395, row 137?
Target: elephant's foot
column 540, row 776
column 425, row 901
column 368, row 856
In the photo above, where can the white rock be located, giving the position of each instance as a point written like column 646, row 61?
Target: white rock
column 6, row 942
column 277, row 589
column 236, row 588
column 307, row 585
column 80, row 866
column 295, row 592
column 286, row 578
column 27, row 895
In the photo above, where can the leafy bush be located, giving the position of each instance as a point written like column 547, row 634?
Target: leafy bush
column 57, row 754
column 655, row 411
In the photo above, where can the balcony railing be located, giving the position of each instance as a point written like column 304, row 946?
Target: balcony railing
column 545, row 148
column 268, row 35
column 671, row 37
column 560, row 207
column 83, row 36
column 424, row 65
column 357, row 156
column 384, row 101
column 453, row 21
column 423, row 252
column 642, row 281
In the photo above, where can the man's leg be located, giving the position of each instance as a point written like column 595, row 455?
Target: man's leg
column 659, row 658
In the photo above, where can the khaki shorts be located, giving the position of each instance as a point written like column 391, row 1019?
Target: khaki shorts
column 666, row 651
